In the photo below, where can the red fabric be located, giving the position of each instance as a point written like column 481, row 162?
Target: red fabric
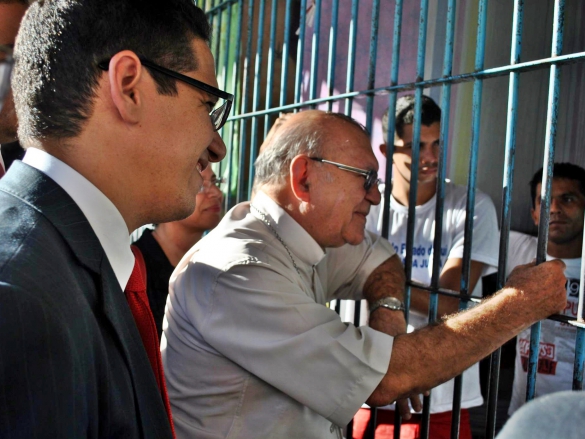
column 1, row 170
column 439, row 428
column 138, row 300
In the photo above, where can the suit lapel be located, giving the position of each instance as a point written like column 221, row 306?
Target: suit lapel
column 148, row 398
column 48, row 198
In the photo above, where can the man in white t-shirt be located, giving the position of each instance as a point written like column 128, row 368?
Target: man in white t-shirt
column 565, row 240
column 484, row 252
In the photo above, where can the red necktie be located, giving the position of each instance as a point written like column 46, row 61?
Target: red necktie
column 138, row 300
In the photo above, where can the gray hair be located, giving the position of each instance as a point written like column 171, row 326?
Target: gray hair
column 273, row 163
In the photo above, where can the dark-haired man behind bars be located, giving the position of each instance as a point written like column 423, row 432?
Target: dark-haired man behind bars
column 112, row 144
column 565, row 242
column 484, row 254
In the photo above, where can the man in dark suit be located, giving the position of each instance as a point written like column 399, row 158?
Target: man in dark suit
column 116, row 138
column 11, row 12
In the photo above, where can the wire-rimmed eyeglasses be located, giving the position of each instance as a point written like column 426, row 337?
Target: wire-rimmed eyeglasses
column 6, row 63
column 371, row 176
column 208, row 185
column 218, row 115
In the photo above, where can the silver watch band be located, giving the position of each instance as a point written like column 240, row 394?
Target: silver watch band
column 391, row 303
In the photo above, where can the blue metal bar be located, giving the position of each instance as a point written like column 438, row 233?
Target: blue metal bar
column 580, row 338
column 285, row 49
column 217, row 39
column 332, row 52
column 300, row 51
column 222, row 5
column 372, row 64
column 391, row 127
column 351, row 53
column 396, row 35
column 506, row 217
column 465, row 77
column 233, row 185
column 471, row 190
column 415, row 154
column 549, row 154
column 270, row 74
column 314, row 80
column 245, row 87
column 256, row 100
column 224, row 69
column 440, row 196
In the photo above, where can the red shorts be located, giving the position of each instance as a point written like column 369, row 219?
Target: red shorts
column 439, row 428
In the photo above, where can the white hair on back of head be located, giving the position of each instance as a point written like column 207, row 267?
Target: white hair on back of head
column 273, row 163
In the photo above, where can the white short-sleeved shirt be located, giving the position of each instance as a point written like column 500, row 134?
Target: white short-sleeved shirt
column 484, row 249
column 250, row 349
column 557, row 339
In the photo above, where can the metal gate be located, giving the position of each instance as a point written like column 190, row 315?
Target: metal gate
column 261, row 50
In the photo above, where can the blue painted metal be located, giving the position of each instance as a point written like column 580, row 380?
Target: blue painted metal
column 314, row 79
column 465, row 77
column 416, row 141
column 300, row 51
column 351, row 52
column 219, row 6
column 390, row 128
column 332, row 55
column 579, row 359
column 270, row 62
column 372, row 63
column 506, row 217
column 232, row 186
column 256, row 101
column 224, row 69
column 415, row 154
column 549, row 153
column 245, row 93
column 441, row 176
column 285, row 50
column 217, row 40
column 580, row 339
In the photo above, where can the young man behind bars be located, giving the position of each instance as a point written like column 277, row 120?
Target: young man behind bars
column 484, row 255
column 565, row 240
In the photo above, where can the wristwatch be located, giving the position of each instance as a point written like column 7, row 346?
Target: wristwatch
column 391, row 303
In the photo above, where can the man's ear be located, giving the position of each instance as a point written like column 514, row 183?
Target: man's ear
column 299, row 177
column 126, row 75
column 383, row 149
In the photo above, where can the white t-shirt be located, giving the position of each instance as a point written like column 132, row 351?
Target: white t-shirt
column 484, row 249
column 557, row 340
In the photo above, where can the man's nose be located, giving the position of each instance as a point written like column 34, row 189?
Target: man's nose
column 216, row 149
column 373, row 195
column 215, row 192
column 555, row 205
column 429, row 152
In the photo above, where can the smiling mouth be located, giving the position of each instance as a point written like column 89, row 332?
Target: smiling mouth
column 428, row 169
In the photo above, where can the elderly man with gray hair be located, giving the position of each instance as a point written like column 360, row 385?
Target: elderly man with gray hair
column 251, row 349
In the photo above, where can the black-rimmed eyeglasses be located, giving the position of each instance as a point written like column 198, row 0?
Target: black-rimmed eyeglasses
column 218, row 115
column 370, row 176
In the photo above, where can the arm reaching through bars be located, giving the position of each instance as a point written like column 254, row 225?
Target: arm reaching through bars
column 434, row 354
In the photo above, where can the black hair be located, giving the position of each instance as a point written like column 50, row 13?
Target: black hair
column 567, row 171
column 431, row 113
column 61, row 42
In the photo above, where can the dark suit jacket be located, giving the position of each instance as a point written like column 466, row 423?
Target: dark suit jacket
column 72, row 363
